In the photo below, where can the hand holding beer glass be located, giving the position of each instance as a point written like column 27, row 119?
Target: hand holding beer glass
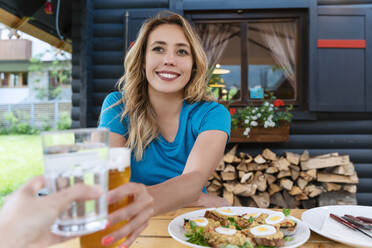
column 127, row 201
column 83, row 156
column 119, row 174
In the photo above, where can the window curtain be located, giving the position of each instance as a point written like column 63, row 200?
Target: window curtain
column 280, row 38
column 214, row 38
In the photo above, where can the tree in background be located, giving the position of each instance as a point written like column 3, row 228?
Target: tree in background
column 57, row 73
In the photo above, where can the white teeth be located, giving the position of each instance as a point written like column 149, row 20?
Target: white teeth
column 167, row 75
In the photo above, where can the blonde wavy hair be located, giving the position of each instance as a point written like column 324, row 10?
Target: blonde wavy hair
column 133, row 84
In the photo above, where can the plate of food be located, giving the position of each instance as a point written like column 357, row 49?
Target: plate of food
column 322, row 221
column 238, row 227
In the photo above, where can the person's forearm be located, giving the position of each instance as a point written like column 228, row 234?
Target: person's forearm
column 176, row 192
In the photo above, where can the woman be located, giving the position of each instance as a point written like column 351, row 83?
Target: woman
column 25, row 219
column 165, row 115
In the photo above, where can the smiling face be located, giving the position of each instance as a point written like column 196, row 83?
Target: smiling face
column 168, row 59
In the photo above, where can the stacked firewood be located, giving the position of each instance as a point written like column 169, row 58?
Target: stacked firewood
column 293, row 180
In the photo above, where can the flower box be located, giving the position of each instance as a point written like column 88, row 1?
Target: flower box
column 261, row 134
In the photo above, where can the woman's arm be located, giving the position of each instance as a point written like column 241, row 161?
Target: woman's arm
column 117, row 140
column 185, row 189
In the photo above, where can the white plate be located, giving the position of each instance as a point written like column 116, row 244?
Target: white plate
column 176, row 230
column 319, row 221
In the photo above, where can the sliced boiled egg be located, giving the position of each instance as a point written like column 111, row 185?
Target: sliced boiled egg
column 225, row 211
column 276, row 218
column 201, row 221
column 254, row 215
column 263, row 230
column 226, row 231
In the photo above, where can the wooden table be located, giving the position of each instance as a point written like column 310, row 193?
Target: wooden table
column 156, row 234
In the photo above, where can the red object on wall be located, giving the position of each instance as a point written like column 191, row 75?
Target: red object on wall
column 48, row 7
column 341, row 43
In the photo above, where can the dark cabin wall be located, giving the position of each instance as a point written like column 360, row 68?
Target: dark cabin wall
column 100, row 49
column 75, row 60
column 98, row 64
column 340, row 88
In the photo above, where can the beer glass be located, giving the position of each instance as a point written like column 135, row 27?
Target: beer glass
column 119, row 174
column 74, row 157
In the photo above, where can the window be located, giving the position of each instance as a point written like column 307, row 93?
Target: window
column 13, row 79
column 253, row 54
column 271, row 59
column 222, row 43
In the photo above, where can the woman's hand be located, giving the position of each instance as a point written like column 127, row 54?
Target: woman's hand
column 137, row 213
column 26, row 219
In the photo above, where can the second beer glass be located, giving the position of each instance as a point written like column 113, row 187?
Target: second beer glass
column 119, row 174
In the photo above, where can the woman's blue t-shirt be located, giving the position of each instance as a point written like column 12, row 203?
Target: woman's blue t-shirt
column 163, row 160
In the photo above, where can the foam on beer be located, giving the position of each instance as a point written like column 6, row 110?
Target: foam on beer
column 119, row 158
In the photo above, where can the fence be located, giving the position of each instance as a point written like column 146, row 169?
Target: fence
column 38, row 114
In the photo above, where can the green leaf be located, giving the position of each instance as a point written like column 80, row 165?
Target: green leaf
column 192, row 225
column 196, row 235
column 286, row 211
column 251, row 219
column 197, row 239
column 233, row 223
column 188, row 235
column 288, row 238
column 247, row 245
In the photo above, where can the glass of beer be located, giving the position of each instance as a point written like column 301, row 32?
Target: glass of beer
column 119, row 174
column 77, row 156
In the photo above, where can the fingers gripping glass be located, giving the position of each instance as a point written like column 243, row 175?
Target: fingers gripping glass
column 72, row 157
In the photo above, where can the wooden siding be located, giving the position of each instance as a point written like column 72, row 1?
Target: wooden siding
column 243, row 4
column 75, row 84
column 98, row 60
column 19, row 49
column 322, row 132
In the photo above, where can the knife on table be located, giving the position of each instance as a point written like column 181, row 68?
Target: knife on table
column 365, row 219
column 348, row 224
column 357, row 222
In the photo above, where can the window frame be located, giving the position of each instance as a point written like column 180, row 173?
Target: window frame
column 248, row 16
column 22, row 77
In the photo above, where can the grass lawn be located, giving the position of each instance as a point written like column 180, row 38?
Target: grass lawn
column 20, row 159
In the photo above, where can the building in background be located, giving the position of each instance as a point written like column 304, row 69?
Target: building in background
column 35, row 81
column 32, row 70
